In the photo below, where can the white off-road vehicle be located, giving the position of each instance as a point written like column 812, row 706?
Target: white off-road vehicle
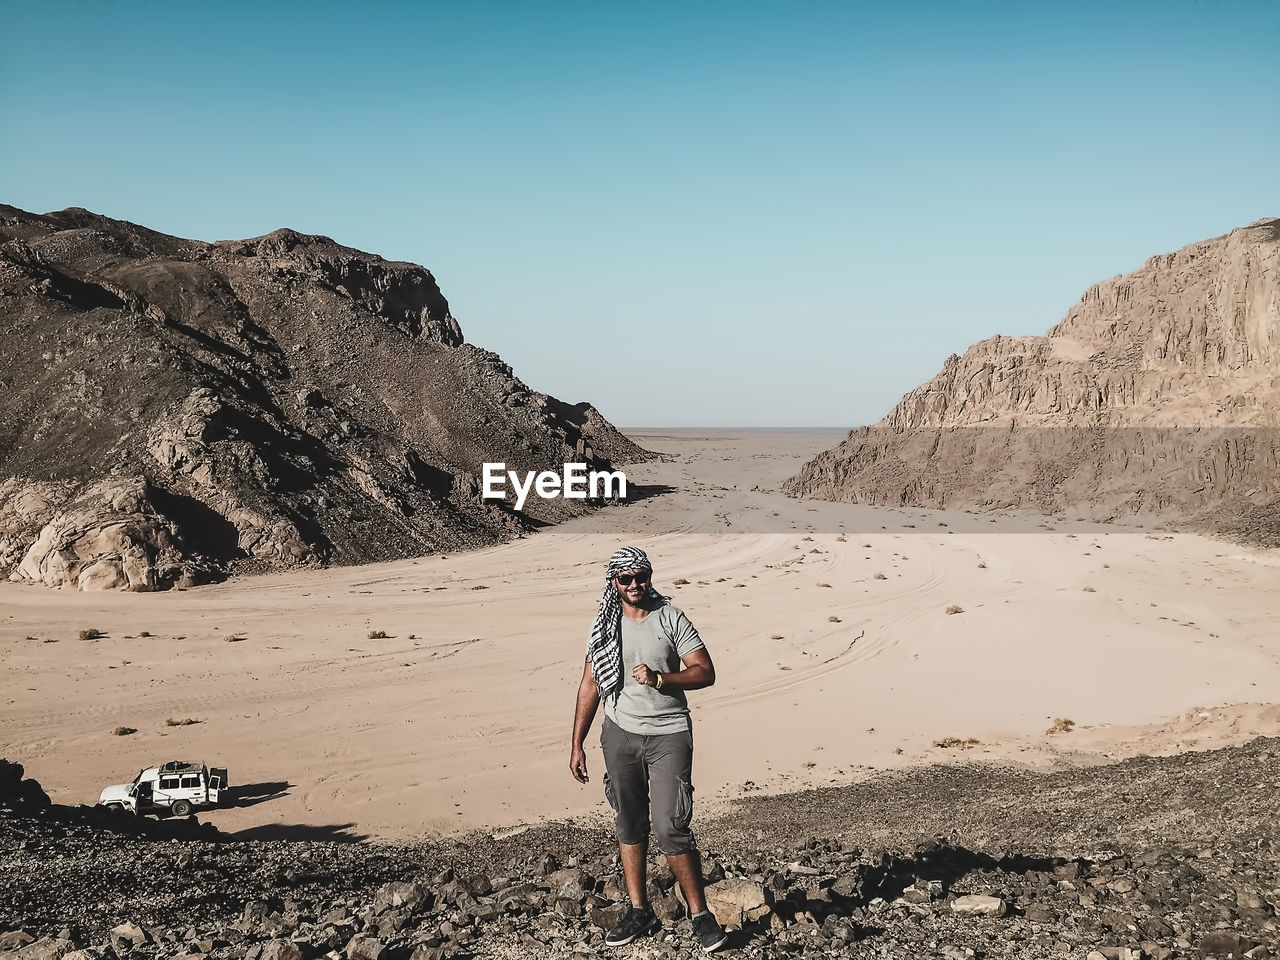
column 175, row 787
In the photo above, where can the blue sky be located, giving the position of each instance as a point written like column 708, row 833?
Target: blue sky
column 718, row 213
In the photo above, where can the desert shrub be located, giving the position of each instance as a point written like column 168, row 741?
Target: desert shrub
column 959, row 743
column 954, row 609
column 92, row 633
column 184, row 722
column 123, row 731
column 1061, row 725
column 377, row 635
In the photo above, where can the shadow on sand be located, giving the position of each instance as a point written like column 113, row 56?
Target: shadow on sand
column 643, row 491
column 252, row 794
column 332, row 832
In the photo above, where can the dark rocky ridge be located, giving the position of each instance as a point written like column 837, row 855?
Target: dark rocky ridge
column 1153, row 857
column 174, row 409
column 1156, row 395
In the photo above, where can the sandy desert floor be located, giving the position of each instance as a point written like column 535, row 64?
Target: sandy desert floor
column 828, row 624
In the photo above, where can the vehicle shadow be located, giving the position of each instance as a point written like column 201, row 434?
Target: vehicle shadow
column 638, row 491
column 332, row 832
column 252, row 794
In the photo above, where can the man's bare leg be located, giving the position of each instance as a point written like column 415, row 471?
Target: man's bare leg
column 687, row 868
column 634, row 870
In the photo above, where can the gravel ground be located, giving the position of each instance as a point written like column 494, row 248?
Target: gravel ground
column 1151, row 857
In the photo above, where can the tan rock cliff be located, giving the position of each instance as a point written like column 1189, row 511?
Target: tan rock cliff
column 1158, row 393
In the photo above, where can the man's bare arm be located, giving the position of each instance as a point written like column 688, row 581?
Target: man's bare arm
column 583, row 714
column 698, row 672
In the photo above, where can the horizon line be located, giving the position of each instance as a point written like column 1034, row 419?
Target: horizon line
column 723, row 426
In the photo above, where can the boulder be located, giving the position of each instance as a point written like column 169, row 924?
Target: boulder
column 109, row 538
column 606, row 918
column 736, row 901
column 12, row 940
column 1039, row 913
column 1225, row 944
column 568, row 907
column 254, row 913
column 46, row 948
column 571, row 883
column 547, row 865
column 128, row 935
column 361, row 947
column 668, row 907
column 979, row 905
column 847, row 885
column 399, row 894
column 279, row 949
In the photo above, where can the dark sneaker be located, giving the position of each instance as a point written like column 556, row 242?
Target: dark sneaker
column 637, row 922
column 709, row 932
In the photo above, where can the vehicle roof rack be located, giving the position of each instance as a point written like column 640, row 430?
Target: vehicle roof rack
column 180, row 766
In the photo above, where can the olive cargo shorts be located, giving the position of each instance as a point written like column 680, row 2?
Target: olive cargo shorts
column 650, row 776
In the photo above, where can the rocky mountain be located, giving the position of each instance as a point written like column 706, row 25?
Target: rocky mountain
column 174, row 409
column 1158, row 393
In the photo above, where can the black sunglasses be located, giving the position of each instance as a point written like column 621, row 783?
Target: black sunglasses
column 626, row 579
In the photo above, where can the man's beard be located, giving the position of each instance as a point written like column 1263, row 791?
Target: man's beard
column 638, row 603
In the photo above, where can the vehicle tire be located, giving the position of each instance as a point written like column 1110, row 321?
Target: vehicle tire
column 181, row 808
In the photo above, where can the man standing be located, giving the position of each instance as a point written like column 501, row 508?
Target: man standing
column 642, row 655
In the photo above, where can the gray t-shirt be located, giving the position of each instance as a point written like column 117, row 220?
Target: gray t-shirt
column 660, row 640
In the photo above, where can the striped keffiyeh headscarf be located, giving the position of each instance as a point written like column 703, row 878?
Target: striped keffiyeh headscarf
column 605, row 646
